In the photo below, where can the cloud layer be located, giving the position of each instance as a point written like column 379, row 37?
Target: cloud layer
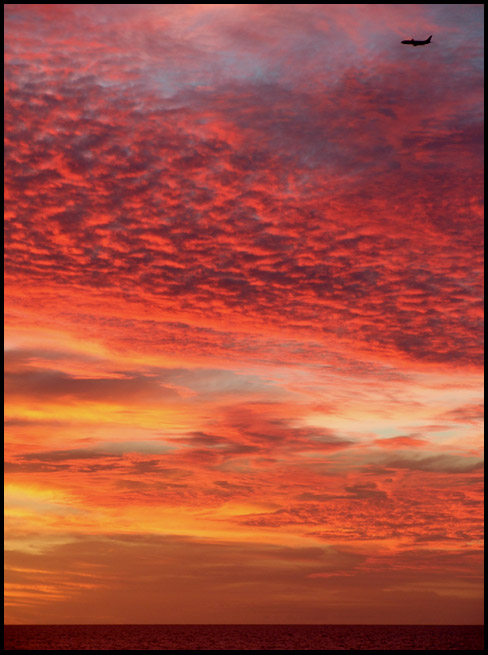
column 244, row 308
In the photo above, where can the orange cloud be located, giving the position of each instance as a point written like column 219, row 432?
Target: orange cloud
column 243, row 313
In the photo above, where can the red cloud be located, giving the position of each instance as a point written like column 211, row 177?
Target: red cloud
column 401, row 442
column 254, row 235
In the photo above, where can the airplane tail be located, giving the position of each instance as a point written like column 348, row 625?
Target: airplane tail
column 428, row 40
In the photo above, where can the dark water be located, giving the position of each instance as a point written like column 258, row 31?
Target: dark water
column 243, row 637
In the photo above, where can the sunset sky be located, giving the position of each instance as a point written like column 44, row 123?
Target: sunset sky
column 243, row 313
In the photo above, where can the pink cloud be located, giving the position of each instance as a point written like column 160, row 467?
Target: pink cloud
column 244, row 283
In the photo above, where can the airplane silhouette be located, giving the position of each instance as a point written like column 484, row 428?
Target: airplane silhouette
column 412, row 42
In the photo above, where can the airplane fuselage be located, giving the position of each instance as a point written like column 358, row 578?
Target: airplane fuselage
column 415, row 43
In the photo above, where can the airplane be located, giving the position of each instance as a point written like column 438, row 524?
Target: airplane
column 412, row 42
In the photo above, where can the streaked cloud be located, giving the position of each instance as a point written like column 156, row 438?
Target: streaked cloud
column 243, row 313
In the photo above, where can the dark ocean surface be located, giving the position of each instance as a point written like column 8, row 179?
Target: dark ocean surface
column 243, row 637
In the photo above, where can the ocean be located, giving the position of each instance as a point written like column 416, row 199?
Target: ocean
column 243, row 637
